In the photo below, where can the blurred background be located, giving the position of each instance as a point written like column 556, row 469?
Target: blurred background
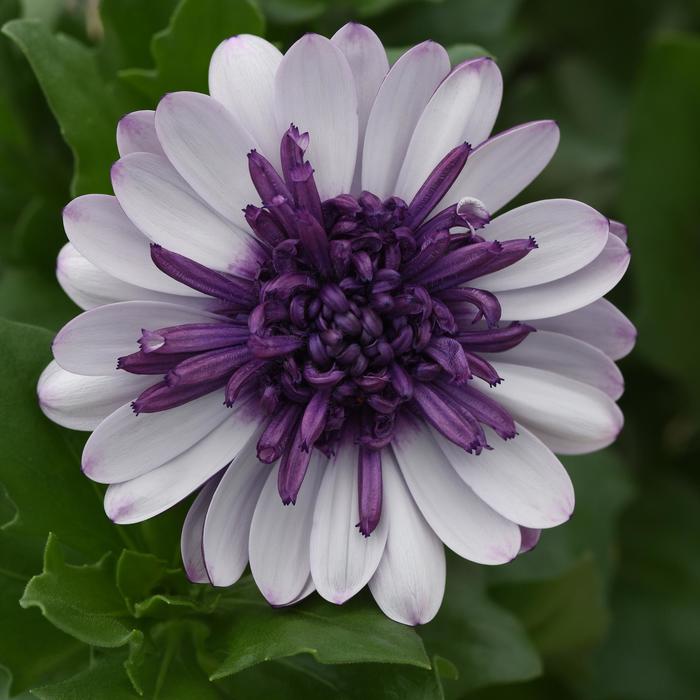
column 608, row 606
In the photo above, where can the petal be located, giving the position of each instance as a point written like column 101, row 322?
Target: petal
column 192, row 530
column 456, row 514
column 315, row 89
column 519, row 478
column 162, row 205
column 209, row 148
column 99, row 229
column 565, row 355
column 531, row 536
column 600, row 324
column 92, row 342
column 125, row 445
column 242, row 77
column 82, row 403
column 570, row 417
column 136, row 132
column 279, row 537
column 148, row 494
column 342, row 559
column 89, row 287
column 369, row 64
column 503, row 166
column 227, row 527
column 410, row 580
column 463, row 108
column 568, row 293
column 569, row 235
column 399, row 103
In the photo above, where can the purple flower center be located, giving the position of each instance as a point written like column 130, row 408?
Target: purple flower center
column 361, row 310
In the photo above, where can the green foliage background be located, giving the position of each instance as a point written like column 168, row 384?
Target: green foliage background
column 606, row 608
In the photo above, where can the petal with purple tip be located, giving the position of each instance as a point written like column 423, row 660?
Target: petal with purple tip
column 315, row 89
column 409, row 582
column 342, row 560
column 242, row 77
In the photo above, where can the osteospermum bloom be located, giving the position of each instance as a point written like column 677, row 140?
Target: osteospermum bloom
column 303, row 302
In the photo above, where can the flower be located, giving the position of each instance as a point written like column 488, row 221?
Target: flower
column 301, row 300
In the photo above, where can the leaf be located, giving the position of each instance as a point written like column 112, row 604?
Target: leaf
column 484, row 641
column 82, row 601
column 128, row 28
column 660, row 205
column 355, row 632
column 183, row 50
column 137, row 574
column 30, row 647
column 40, row 472
column 564, row 614
column 651, row 651
column 103, row 680
column 23, row 295
column 85, row 105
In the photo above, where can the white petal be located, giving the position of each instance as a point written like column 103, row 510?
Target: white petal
column 89, row 286
column 569, row 235
column 92, row 342
column 136, row 132
column 399, row 103
column 600, row 324
column 242, row 77
column 82, row 403
column 160, row 203
column 192, row 531
column 210, row 150
column 306, row 591
column 410, row 580
column 619, row 229
column 342, row 559
column 147, row 494
column 227, row 528
column 572, row 292
column 570, row 417
column 125, row 445
column 456, row 514
column 463, row 108
column 520, row 478
column 503, row 166
column 315, row 89
column 99, row 229
column 369, row 64
column 279, row 537
column 565, row 355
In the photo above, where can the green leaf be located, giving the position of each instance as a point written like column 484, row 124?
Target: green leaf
column 355, row 632
column 564, row 614
column 138, row 574
column 39, row 469
column 484, row 641
column 660, row 201
column 85, row 105
column 126, row 42
column 183, row 50
column 651, row 651
column 82, row 601
column 30, row 647
column 103, row 680
column 23, row 295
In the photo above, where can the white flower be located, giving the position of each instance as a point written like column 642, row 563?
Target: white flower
column 362, row 346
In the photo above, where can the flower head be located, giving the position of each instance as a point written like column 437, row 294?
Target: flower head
column 301, row 301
